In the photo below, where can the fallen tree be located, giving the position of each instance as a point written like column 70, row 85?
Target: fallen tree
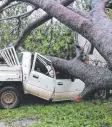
column 94, row 26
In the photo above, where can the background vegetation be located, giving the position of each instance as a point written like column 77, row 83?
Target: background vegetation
column 53, row 39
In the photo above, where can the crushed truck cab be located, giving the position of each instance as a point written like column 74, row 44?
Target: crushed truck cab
column 32, row 73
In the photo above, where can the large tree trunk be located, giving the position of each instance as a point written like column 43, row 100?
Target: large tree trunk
column 94, row 77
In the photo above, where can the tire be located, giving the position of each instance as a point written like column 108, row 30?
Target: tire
column 101, row 94
column 9, row 97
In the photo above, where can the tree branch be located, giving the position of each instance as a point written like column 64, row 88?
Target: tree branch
column 9, row 6
column 5, row 3
column 36, row 24
column 19, row 16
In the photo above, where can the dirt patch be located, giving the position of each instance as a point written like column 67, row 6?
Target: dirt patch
column 19, row 123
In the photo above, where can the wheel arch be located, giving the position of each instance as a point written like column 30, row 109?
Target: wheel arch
column 15, row 84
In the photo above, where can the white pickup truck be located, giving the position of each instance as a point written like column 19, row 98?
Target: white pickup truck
column 32, row 73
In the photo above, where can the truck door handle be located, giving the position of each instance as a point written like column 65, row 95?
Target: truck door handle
column 60, row 83
column 35, row 76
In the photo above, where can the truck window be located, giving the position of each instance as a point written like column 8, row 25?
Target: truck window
column 20, row 58
column 40, row 67
column 63, row 75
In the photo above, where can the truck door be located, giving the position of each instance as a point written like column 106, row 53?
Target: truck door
column 65, row 88
column 41, row 81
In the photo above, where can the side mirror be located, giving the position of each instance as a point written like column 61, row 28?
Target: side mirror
column 57, row 73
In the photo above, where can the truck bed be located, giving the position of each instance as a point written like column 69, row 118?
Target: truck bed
column 10, row 73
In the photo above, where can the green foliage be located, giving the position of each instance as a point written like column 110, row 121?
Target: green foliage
column 5, row 38
column 10, row 29
column 54, row 39
column 109, row 12
column 66, row 114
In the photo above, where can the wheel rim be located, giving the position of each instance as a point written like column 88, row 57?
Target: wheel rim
column 8, row 99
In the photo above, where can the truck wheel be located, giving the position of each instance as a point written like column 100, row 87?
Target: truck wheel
column 101, row 94
column 9, row 97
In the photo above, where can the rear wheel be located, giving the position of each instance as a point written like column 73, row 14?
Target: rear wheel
column 9, row 97
column 101, row 94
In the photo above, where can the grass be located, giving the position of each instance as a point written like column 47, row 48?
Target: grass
column 64, row 114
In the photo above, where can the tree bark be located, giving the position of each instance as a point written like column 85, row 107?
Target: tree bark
column 99, row 16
